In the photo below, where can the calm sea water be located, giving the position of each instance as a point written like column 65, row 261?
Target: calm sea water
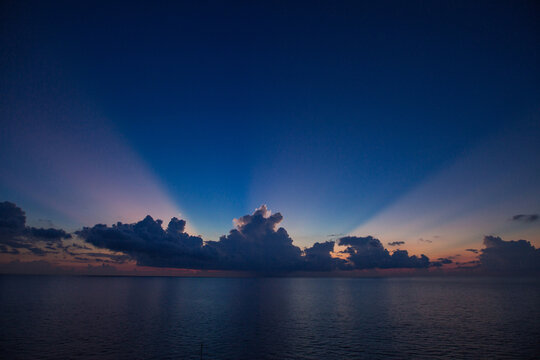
column 268, row 318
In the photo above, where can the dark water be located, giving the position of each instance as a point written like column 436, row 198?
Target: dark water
column 268, row 318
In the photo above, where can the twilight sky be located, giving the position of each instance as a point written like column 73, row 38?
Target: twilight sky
column 415, row 123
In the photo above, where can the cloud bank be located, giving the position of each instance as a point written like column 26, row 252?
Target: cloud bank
column 15, row 236
column 257, row 244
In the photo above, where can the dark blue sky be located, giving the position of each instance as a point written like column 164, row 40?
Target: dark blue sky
column 329, row 112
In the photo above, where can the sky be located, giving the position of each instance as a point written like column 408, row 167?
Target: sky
column 414, row 123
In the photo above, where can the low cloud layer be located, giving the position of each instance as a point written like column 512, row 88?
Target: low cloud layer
column 256, row 244
column 15, row 236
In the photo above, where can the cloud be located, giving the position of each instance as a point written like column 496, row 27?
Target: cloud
column 12, row 221
column 425, row 240
column 441, row 261
column 148, row 243
column 114, row 258
column 525, row 218
column 509, row 257
column 318, row 258
column 14, row 234
column 6, row 250
column 49, row 234
column 368, row 253
column 256, row 244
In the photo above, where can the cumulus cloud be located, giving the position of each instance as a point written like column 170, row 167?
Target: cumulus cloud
column 318, row 258
column 525, row 218
column 509, row 257
column 396, row 243
column 256, row 244
column 148, row 243
column 368, row 253
column 15, row 235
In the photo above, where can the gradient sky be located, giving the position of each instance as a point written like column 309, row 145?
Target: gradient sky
column 408, row 121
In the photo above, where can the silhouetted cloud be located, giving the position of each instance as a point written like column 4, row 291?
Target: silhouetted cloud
column 49, row 234
column 12, row 221
column 425, row 240
column 441, row 261
column 318, row 258
column 14, row 234
column 256, row 244
column 509, row 257
column 147, row 242
column 525, row 218
column 368, row 253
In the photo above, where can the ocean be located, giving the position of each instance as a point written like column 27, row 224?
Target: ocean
column 72, row 317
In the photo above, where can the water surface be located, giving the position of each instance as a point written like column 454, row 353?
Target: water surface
column 50, row 317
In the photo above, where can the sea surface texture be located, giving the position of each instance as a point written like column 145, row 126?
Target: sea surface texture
column 48, row 317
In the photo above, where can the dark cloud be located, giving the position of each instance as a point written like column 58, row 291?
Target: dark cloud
column 509, row 257
column 256, row 244
column 49, row 234
column 525, row 218
column 318, row 258
column 425, row 240
column 16, row 235
column 12, row 221
column 472, row 250
column 148, row 243
column 396, row 243
column 441, row 261
column 368, row 253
